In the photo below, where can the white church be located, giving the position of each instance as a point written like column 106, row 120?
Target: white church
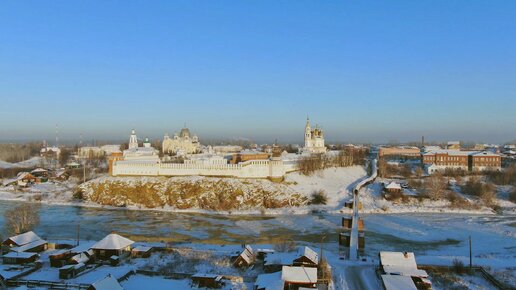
column 314, row 139
column 182, row 144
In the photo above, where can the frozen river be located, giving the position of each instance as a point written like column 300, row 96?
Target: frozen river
column 430, row 235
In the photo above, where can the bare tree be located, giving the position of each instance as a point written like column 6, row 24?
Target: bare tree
column 22, row 218
column 435, row 186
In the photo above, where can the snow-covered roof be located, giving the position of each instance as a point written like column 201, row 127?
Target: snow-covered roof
column 29, row 246
column 38, row 170
column 394, row 282
column 393, row 185
column 310, row 254
column 270, row 281
column 406, row 259
column 24, row 255
column 142, row 249
column 299, row 274
column 83, row 247
column 80, row 258
column 398, row 263
column 485, row 153
column 107, row 283
column 280, row 258
column 405, row 271
column 450, row 152
column 112, row 242
column 247, row 254
column 25, row 238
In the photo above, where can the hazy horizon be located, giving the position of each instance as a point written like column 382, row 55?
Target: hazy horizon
column 366, row 72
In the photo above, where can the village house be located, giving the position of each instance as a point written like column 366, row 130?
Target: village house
column 141, row 252
column 202, row 280
column 245, row 259
column 297, row 277
column 393, row 187
column 403, row 264
column 41, row 174
column 107, row 283
column 307, row 258
column 26, row 242
column 19, row 258
column 112, row 245
column 395, row 282
column 271, row 281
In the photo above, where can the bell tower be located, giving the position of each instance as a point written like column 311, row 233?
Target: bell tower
column 308, row 133
column 133, row 140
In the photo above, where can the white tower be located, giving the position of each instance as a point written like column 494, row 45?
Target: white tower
column 133, row 140
column 308, row 133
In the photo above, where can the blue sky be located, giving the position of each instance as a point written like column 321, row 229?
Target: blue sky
column 366, row 71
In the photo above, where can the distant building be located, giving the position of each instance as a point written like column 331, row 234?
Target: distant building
column 97, row 151
column 134, row 152
column 453, row 145
column 409, row 151
column 314, row 139
column 181, row 144
column 441, row 160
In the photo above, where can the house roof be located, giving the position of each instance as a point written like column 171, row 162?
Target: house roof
column 142, row 249
column 393, row 185
column 406, row 259
column 29, row 246
column 270, row 281
column 80, row 258
column 299, row 274
column 25, row 238
column 394, row 282
column 24, row 255
column 405, row 271
column 399, row 263
column 107, row 283
column 112, row 242
column 310, row 254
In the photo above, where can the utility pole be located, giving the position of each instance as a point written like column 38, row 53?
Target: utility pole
column 78, row 233
column 470, row 254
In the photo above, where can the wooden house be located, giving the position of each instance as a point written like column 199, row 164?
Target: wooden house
column 393, row 187
column 207, row 281
column 307, row 258
column 19, row 258
column 141, row 252
column 298, row 277
column 70, row 271
column 245, row 259
column 107, row 283
column 26, row 242
column 400, row 263
column 41, row 174
column 60, row 258
column 112, row 245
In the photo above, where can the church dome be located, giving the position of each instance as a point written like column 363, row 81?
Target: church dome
column 185, row 132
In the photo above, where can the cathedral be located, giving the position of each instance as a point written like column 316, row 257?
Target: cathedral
column 314, row 139
column 181, row 144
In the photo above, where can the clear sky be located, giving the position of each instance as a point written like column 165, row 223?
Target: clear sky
column 364, row 70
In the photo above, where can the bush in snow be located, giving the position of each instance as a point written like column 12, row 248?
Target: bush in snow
column 286, row 246
column 458, row 266
column 512, row 195
column 319, row 197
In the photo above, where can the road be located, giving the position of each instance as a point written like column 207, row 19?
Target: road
column 353, row 242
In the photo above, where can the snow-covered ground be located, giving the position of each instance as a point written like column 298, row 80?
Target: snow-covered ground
column 373, row 202
column 29, row 163
column 337, row 183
